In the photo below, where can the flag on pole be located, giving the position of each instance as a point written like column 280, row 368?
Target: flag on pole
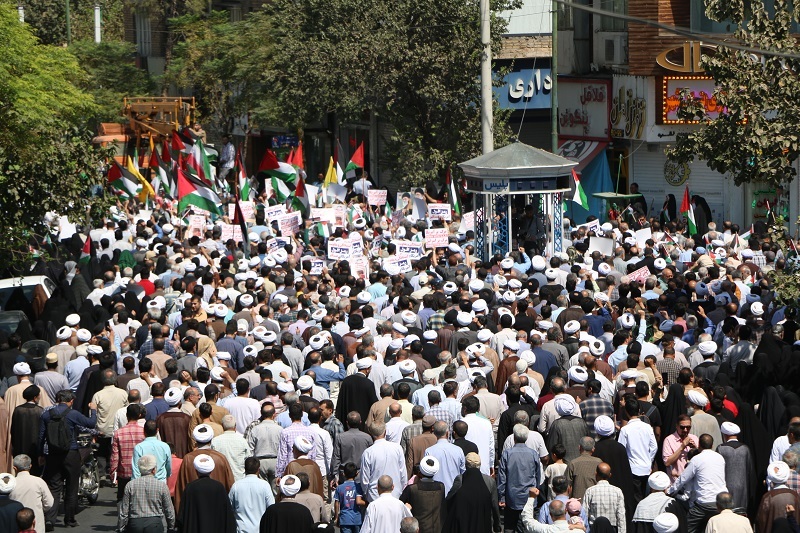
column 245, row 192
column 159, row 174
column 688, row 211
column 356, row 162
column 331, row 176
column 199, row 165
column 86, row 251
column 192, row 191
column 455, row 198
column 177, row 146
column 579, row 197
column 125, row 184
column 272, row 167
column 300, row 200
column 298, row 157
column 146, row 189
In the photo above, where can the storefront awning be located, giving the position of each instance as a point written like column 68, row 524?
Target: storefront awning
column 582, row 152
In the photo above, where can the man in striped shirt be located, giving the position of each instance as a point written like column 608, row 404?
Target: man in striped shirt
column 146, row 500
column 123, row 444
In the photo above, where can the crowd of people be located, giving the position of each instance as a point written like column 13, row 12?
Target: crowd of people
column 247, row 387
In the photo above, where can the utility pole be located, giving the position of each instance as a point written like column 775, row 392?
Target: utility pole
column 69, row 26
column 97, row 23
column 487, row 138
column 21, row 13
column 554, row 78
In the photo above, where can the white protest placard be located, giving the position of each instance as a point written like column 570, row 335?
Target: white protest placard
column 324, row 214
column 405, row 264
column 436, row 238
column 316, row 267
column 289, row 224
column 248, row 210
column 336, row 192
column 272, row 245
column 311, row 193
column 375, row 248
column 196, row 225
column 376, row 196
column 642, row 236
column 439, row 212
column 601, row 244
column 271, row 213
column 594, row 225
column 412, row 250
column 339, row 250
column 639, row 276
column 360, row 267
column 467, row 222
column 231, row 231
column 339, row 215
column 356, row 247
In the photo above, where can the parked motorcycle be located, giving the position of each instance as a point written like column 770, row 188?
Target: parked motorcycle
column 89, row 481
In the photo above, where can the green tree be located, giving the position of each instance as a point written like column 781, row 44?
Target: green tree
column 47, row 161
column 111, row 75
column 756, row 138
column 49, row 22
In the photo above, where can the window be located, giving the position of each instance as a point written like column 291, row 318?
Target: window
column 236, row 13
column 701, row 22
column 143, row 32
column 565, row 17
column 611, row 23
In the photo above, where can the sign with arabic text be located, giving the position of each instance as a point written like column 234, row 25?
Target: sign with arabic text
column 700, row 87
column 436, row 238
column 525, row 88
column 628, row 107
column 376, row 196
column 583, row 108
column 439, row 212
column 639, row 276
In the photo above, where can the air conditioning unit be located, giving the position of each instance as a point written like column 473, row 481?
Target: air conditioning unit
column 613, row 50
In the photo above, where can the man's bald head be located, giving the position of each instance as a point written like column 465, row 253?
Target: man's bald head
column 395, row 410
column 557, row 510
column 603, row 472
column 385, row 484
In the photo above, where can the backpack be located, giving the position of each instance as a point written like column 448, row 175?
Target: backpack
column 59, row 437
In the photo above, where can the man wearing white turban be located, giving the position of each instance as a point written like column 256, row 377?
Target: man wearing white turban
column 569, row 428
column 657, row 503
column 287, row 516
column 204, row 504
column 774, row 502
column 426, row 496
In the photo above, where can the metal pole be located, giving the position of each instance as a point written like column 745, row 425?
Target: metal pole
column 554, row 77
column 487, row 139
column 69, row 26
column 97, row 23
column 21, row 13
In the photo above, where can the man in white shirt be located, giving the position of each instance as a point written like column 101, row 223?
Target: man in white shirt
column 705, row 476
column 480, row 432
column 383, row 458
column 385, row 512
column 396, row 424
column 558, row 512
column 640, row 442
column 782, row 443
column 324, row 443
column 244, row 409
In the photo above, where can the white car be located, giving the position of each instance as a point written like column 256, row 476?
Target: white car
column 25, row 284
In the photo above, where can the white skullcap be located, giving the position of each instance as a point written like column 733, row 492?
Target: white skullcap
column 551, row 274
column 409, row 317
column 453, row 247
column 747, row 253
column 578, row 374
column 344, row 292
column 242, row 264
column 407, row 367
column 73, row 320
column 246, row 300
column 565, row 405
column 666, row 523
column 242, row 325
column 399, row 328
column 480, row 306
column 604, row 426
column 449, row 288
column 597, row 348
column 778, row 472
column 604, row 269
column 500, row 280
column 305, row 382
column 514, row 283
column 220, row 310
column 364, row 363
column 290, row 485
column 697, row 398
column 254, row 262
column 627, row 321
column 7, row 483
column 544, row 325
column 319, row 314
column 475, row 285
column 216, row 373
column 285, row 386
column 511, row 344
column 658, row 481
column 407, row 339
column 269, row 337
column 203, row 434
column 302, row 444
column 463, row 318
column 317, row 342
column 396, row 344
column 507, row 263
column 707, row 347
column 280, row 255
column 84, row 335
column 189, row 266
column 203, row 463
column 22, row 369
column 224, row 356
column 729, row 428
column 430, row 335
column 757, row 308
column 363, row 297
column 573, row 326
column 173, row 396
column 429, row 466
column 484, row 335
column 64, row 333
column 475, row 349
column 522, row 294
column 660, row 263
column 508, row 297
column 538, row 263
column 630, row 373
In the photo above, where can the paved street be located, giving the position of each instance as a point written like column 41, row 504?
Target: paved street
column 101, row 516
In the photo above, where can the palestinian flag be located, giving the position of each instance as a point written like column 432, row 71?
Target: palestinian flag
column 192, row 191
column 276, row 169
column 290, row 157
column 198, row 164
column 356, row 162
column 338, row 157
column 452, row 192
column 688, row 211
column 388, row 211
column 86, row 252
column 300, row 200
column 177, row 146
column 579, row 197
column 243, row 182
column 125, row 184
column 298, row 157
column 324, row 229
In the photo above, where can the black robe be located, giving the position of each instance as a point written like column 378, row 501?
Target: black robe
column 426, row 497
column 25, row 433
column 287, row 517
column 174, row 429
column 357, row 393
column 469, row 509
column 205, row 507
column 612, row 452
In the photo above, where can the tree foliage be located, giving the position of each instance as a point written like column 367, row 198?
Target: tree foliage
column 111, row 75
column 49, row 22
column 47, row 161
column 757, row 138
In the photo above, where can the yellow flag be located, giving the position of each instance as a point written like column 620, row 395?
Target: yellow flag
column 147, row 189
column 330, row 176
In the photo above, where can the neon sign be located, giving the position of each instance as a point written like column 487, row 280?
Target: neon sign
column 702, row 90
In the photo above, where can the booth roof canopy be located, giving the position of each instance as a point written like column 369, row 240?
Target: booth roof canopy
column 517, row 159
